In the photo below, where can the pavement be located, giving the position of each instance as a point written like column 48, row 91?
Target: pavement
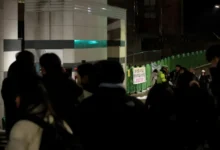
column 142, row 96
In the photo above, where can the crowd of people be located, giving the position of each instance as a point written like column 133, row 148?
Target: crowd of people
column 52, row 111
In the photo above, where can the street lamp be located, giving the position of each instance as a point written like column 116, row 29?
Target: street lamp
column 217, row 6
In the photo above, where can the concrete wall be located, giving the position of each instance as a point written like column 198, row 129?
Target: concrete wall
column 9, row 31
column 68, row 25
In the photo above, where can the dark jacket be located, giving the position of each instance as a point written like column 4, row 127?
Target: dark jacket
column 63, row 93
column 9, row 96
column 184, row 80
column 204, row 81
column 196, row 116
column 111, row 120
column 174, row 75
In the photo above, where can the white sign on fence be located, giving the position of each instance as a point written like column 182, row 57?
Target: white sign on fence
column 139, row 75
column 155, row 66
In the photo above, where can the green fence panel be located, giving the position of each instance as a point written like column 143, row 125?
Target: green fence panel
column 144, row 85
column 188, row 60
column 132, row 85
column 169, row 63
column 203, row 57
column 182, row 60
column 158, row 62
column 148, row 74
column 178, row 60
column 166, row 61
column 129, row 79
column 197, row 59
column 162, row 62
column 200, row 58
column 172, row 62
column 193, row 60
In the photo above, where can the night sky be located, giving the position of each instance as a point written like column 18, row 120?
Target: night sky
column 201, row 16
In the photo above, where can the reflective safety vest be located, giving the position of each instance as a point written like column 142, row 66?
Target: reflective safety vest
column 161, row 78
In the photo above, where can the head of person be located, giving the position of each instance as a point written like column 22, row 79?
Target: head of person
column 160, row 99
column 107, row 71
column 25, row 57
column 85, row 73
column 155, row 71
column 192, row 70
column 182, row 70
column 164, row 69
column 203, row 72
column 178, row 68
column 194, row 84
column 25, row 67
column 213, row 54
column 51, row 64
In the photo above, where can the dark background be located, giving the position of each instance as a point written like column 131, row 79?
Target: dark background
column 201, row 16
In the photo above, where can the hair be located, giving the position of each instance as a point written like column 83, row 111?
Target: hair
column 85, row 69
column 155, row 70
column 51, row 63
column 107, row 71
column 194, row 84
column 25, row 57
column 27, row 84
column 183, row 68
column 178, row 66
column 160, row 98
column 212, row 52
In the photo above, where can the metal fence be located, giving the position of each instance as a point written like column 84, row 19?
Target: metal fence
column 141, row 58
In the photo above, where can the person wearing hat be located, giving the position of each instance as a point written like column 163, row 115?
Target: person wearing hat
column 203, row 80
column 162, row 75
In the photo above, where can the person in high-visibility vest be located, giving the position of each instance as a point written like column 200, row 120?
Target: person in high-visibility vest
column 161, row 77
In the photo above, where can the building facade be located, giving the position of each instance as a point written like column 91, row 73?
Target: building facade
column 75, row 30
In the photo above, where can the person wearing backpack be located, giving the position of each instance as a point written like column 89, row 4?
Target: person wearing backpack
column 38, row 127
column 110, row 119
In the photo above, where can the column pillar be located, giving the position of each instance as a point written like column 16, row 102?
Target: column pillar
column 10, row 29
column 117, row 31
column 1, row 58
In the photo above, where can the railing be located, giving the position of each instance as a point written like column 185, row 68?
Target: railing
column 143, row 57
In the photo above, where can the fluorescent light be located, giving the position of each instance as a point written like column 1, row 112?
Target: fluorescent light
column 89, row 8
column 104, row 9
column 89, row 11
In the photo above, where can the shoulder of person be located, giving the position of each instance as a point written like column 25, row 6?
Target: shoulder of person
column 87, row 103
column 25, row 130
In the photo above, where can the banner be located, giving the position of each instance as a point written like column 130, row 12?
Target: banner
column 139, row 75
column 155, row 66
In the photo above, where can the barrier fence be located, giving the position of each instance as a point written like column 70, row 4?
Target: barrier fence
column 139, row 77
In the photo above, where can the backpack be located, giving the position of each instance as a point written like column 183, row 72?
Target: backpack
column 55, row 136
